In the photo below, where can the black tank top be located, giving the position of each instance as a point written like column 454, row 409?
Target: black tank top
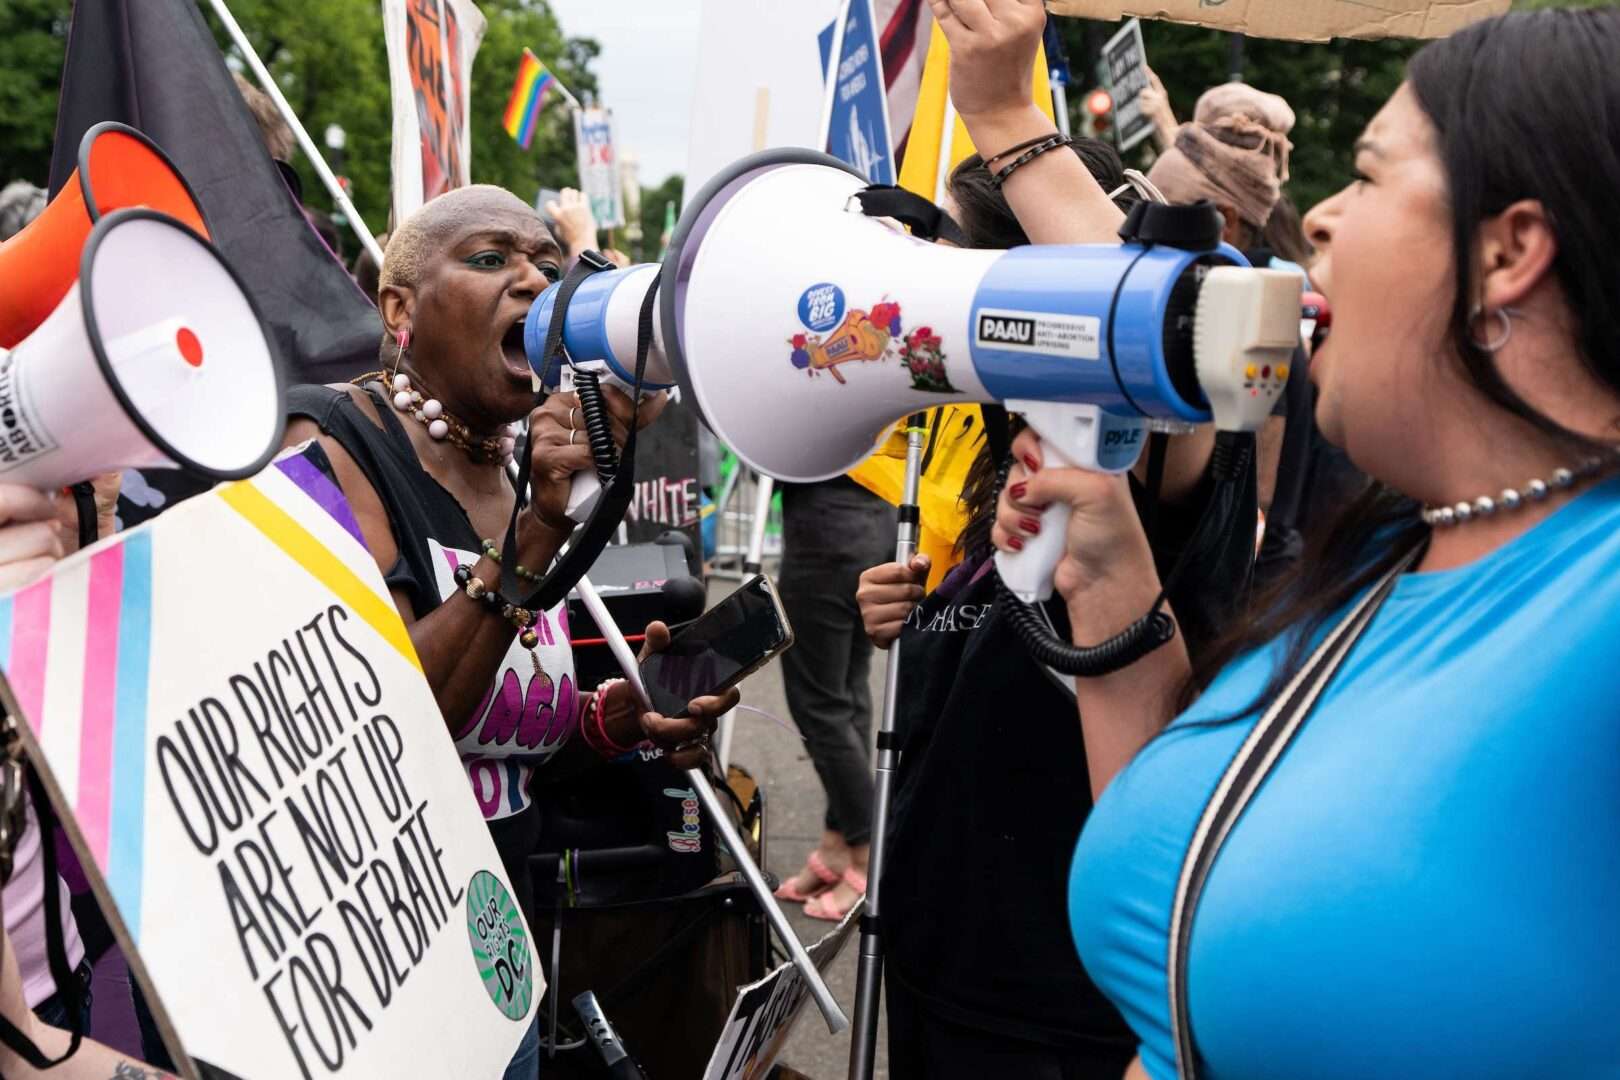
column 524, row 717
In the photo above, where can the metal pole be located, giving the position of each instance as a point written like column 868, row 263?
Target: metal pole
column 869, row 969
column 717, row 811
column 268, row 82
column 1234, row 56
column 762, row 513
column 1060, row 105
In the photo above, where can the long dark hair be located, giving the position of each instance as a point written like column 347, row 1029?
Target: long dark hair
column 1502, row 137
column 988, row 222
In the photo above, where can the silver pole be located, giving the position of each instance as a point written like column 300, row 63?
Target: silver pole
column 869, row 965
column 268, row 81
column 762, row 513
column 1060, row 105
column 717, row 811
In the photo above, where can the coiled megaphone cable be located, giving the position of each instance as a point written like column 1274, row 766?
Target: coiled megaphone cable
column 1233, row 453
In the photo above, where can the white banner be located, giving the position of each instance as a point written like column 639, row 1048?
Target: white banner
column 595, row 142
column 431, row 44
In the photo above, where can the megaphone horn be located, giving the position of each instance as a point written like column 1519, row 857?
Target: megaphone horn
column 118, row 168
column 156, row 357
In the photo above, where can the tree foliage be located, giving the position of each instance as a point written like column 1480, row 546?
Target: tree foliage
column 330, row 61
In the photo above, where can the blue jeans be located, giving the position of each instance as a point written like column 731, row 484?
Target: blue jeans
column 525, row 1063
column 53, row 1010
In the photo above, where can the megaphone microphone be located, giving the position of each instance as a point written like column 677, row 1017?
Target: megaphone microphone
column 154, row 358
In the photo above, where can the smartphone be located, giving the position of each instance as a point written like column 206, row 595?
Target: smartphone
column 719, row 648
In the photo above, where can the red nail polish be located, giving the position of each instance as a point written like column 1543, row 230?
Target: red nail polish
column 1031, row 464
column 1017, row 490
column 1029, row 525
column 1016, row 543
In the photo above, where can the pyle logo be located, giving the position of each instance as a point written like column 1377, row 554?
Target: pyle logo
column 1122, row 437
column 1006, row 331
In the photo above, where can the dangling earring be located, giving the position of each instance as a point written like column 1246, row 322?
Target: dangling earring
column 1495, row 344
column 403, row 340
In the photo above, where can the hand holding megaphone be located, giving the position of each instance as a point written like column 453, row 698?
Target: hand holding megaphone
column 560, row 453
column 597, row 366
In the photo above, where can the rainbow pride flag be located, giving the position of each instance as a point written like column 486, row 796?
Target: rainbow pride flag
column 528, row 95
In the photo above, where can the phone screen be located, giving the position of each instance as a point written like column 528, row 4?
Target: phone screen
column 715, row 650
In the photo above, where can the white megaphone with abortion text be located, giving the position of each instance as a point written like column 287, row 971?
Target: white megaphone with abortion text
column 155, row 357
column 802, row 329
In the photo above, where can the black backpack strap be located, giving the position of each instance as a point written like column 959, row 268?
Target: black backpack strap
column 926, row 221
column 1244, row 775
column 67, row 982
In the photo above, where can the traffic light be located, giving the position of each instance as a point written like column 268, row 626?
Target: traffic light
column 1100, row 107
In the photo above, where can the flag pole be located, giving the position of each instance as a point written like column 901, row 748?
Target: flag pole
column 268, row 82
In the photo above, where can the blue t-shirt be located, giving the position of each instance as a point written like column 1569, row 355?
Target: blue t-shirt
column 1428, row 885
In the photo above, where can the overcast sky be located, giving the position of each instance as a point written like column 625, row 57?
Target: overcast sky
column 646, row 72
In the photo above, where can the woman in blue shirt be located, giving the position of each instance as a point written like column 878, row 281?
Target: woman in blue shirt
column 1427, row 882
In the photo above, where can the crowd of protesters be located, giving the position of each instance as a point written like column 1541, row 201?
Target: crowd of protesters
column 1355, row 818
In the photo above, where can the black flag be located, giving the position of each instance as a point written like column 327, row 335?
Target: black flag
column 152, row 64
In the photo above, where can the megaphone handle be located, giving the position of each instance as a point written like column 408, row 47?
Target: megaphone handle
column 582, row 495
column 1028, row 573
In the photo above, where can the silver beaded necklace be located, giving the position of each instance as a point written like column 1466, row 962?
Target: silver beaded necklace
column 1512, row 498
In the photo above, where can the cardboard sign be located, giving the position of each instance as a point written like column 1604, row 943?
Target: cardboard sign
column 234, row 727
column 856, row 114
column 599, row 165
column 1124, row 64
column 431, row 44
column 1300, row 20
column 766, row 1011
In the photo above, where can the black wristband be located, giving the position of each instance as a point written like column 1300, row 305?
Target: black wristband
column 1011, row 150
column 1049, row 143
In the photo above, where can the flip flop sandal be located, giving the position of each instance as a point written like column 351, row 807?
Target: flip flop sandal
column 819, row 907
column 824, row 874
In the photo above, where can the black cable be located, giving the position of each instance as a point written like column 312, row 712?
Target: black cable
column 598, row 424
column 1232, row 454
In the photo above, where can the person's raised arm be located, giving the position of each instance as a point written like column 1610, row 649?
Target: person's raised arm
column 993, row 46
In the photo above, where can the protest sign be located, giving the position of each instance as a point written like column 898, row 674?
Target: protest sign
column 599, row 165
column 1300, row 20
column 431, row 44
column 234, row 727
column 855, row 118
column 766, row 1011
column 667, row 494
column 1124, row 63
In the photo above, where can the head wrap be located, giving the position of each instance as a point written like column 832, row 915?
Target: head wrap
column 1234, row 152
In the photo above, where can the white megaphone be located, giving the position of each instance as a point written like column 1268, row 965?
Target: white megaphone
column 802, row 329
column 156, row 357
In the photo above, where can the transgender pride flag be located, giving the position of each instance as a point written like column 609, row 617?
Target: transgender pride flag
column 95, row 677
column 528, row 95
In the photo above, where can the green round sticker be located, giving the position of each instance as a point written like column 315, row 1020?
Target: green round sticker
column 500, row 945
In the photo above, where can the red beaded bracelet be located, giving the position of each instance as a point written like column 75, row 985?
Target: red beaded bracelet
column 596, row 717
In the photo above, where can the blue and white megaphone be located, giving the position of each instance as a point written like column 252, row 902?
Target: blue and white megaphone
column 802, row 329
